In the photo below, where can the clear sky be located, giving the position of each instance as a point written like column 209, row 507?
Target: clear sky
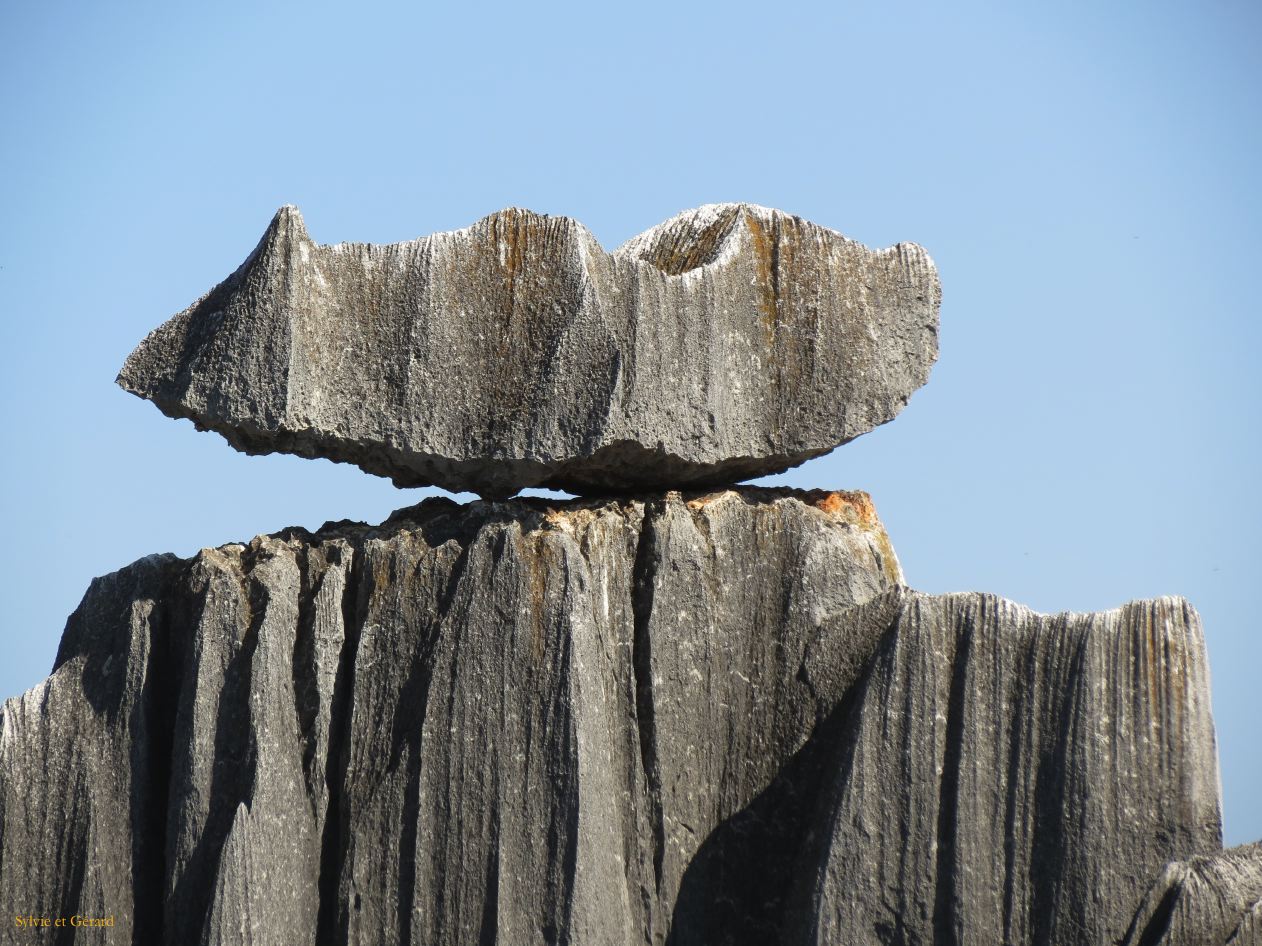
column 1084, row 174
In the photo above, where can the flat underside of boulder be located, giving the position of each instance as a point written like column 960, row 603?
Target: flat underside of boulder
column 730, row 342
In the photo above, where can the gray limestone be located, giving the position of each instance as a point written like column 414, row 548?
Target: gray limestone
column 689, row 719
column 1010, row 777
column 729, row 342
column 1208, row 900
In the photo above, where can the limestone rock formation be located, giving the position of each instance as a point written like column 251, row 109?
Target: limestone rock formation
column 729, row 342
column 644, row 718
column 1208, row 900
column 1012, row 777
column 686, row 719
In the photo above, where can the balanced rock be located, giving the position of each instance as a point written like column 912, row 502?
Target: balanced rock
column 691, row 719
column 730, row 342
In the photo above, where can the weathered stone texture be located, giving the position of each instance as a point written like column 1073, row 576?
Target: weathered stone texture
column 729, row 342
column 82, row 780
column 1012, row 777
column 694, row 719
column 1208, row 900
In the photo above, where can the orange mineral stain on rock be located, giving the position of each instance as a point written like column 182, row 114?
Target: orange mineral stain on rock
column 700, row 502
column 569, row 519
column 855, row 508
column 852, row 505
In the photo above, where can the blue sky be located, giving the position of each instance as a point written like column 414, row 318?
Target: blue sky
column 1083, row 174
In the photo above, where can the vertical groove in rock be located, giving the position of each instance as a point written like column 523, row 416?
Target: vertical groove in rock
column 153, row 758
column 643, row 573
column 1158, row 924
column 330, row 921
column 1060, row 689
column 945, row 921
column 488, row 927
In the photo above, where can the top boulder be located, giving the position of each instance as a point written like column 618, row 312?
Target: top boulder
column 727, row 343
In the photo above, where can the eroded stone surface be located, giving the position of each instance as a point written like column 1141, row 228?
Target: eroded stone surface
column 1209, row 900
column 1004, row 776
column 689, row 719
column 729, row 342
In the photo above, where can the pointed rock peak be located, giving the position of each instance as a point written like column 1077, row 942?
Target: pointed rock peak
column 288, row 220
column 160, row 368
column 286, row 230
